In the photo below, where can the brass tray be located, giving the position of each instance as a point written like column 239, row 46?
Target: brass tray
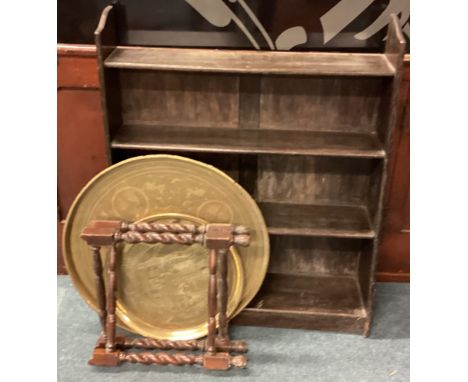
column 141, row 187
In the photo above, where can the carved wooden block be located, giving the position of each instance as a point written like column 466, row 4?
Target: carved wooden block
column 100, row 232
column 103, row 358
column 218, row 236
column 218, row 361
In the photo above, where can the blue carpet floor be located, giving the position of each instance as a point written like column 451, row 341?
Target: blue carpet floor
column 274, row 354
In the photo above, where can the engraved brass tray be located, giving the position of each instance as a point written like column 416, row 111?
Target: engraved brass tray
column 161, row 292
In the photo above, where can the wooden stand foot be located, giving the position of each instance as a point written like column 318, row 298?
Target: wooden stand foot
column 101, row 357
column 223, row 361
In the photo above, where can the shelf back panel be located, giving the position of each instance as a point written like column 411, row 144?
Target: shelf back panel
column 217, row 100
column 180, row 99
column 314, row 180
column 321, row 103
column 295, row 255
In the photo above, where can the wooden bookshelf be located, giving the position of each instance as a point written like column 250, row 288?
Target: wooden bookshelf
column 306, row 133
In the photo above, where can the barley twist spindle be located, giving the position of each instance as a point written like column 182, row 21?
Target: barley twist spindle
column 160, row 227
column 149, row 343
column 134, row 237
column 148, row 358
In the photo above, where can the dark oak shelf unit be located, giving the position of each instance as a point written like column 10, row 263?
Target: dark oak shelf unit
column 307, row 134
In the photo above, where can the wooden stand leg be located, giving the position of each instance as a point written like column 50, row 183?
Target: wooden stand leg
column 212, row 302
column 110, row 324
column 100, row 291
column 223, row 296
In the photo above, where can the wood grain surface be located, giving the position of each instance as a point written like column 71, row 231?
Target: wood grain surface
column 286, row 301
column 242, row 61
column 312, row 256
column 183, row 99
column 321, row 103
column 317, row 220
column 314, row 180
column 198, row 138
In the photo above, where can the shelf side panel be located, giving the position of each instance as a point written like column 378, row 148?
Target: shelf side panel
column 395, row 44
column 394, row 51
column 106, row 39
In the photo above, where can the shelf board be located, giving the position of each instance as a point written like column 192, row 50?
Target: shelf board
column 317, row 220
column 244, row 141
column 310, row 302
column 243, row 61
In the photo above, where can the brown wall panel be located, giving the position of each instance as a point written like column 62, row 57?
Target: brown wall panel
column 77, row 67
column 81, row 146
column 80, row 137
